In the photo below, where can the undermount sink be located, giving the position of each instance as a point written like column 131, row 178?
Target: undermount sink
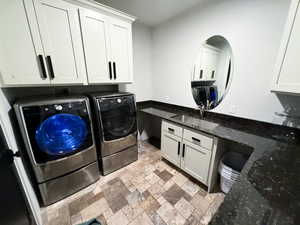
column 184, row 118
column 195, row 122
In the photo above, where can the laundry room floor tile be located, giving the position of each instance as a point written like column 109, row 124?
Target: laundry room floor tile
column 175, row 193
column 149, row 191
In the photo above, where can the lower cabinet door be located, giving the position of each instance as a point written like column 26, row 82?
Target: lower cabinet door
column 195, row 160
column 171, row 148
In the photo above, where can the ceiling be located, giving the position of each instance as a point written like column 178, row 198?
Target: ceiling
column 152, row 12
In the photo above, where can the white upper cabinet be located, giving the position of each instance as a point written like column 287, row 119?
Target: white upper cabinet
column 42, row 43
column 121, row 50
column 108, row 48
column 205, row 68
column 21, row 52
column 287, row 70
column 96, row 46
column 60, row 32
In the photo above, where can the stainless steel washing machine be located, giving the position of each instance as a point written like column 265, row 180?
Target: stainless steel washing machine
column 58, row 137
column 116, row 130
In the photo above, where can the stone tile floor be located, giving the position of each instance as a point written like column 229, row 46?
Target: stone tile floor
column 147, row 192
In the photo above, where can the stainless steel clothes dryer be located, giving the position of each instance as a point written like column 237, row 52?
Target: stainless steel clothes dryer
column 59, row 140
column 116, row 130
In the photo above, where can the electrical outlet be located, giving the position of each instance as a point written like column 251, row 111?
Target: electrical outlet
column 233, row 109
column 278, row 120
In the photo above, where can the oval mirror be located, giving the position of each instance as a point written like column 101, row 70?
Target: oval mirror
column 212, row 72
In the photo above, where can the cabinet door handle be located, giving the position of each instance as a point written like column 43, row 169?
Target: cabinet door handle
column 178, row 151
column 196, row 139
column 110, row 71
column 183, row 150
column 213, row 74
column 43, row 68
column 171, row 130
column 115, row 70
column 194, row 78
column 50, row 66
column 201, row 74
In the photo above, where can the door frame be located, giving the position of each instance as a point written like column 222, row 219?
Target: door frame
column 21, row 173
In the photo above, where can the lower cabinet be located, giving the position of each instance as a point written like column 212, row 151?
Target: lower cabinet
column 196, row 161
column 191, row 151
column 171, row 146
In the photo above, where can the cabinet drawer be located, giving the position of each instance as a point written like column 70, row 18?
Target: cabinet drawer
column 172, row 128
column 198, row 139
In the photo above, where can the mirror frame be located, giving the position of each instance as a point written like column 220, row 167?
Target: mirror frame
column 204, row 40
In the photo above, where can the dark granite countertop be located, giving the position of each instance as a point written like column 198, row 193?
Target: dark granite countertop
column 268, row 190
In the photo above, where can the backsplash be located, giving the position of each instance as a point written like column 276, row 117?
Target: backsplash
column 268, row 130
column 290, row 115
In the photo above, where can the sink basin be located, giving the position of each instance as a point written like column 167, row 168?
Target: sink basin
column 195, row 122
column 184, row 118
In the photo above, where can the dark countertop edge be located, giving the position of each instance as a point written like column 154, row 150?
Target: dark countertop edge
column 206, row 131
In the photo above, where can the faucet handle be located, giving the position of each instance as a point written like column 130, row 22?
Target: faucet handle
column 201, row 109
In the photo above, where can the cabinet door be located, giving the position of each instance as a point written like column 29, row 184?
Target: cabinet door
column 288, row 69
column 195, row 161
column 60, row 31
column 20, row 45
column 210, row 62
column 170, row 147
column 121, row 50
column 95, row 40
column 197, row 69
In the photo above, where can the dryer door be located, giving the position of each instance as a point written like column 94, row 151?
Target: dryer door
column 118, row 116
column 56, row 131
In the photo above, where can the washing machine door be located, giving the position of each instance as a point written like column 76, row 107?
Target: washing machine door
column 61, row 134
column 56, row 131
column 118, row 116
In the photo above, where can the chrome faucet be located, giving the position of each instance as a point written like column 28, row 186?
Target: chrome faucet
column 201, row 109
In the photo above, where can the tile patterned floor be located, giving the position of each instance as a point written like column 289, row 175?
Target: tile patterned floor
column 147, row 192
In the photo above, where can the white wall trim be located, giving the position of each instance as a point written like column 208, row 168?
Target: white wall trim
column 105, row 8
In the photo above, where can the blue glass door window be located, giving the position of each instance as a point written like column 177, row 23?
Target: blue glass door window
column 61, row 134
column 56, row 133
